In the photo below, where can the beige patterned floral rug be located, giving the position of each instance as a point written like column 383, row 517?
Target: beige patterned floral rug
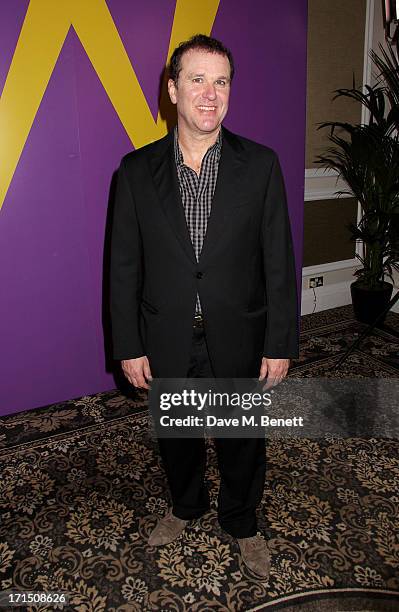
column 82, row 486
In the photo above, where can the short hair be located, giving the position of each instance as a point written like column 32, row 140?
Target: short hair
column 198, row 41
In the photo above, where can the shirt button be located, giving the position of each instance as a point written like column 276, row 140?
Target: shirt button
column 199, row 274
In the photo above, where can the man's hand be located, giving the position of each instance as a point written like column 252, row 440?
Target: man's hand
column 274, row 369
column 137, row 371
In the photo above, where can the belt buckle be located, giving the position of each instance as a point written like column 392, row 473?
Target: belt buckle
column 198, row 320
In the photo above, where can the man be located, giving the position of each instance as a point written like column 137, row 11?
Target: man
column 203, row 281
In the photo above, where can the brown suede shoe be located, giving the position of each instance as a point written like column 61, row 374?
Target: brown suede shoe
column 255, row 554
column 167, row 529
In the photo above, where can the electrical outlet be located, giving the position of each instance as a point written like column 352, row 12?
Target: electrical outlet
column 316, row 281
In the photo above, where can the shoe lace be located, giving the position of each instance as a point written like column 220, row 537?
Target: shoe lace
column 255, row 543
column 170, row 518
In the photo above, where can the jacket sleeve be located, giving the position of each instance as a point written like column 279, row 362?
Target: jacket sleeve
column 282, row 328
column 125, row 273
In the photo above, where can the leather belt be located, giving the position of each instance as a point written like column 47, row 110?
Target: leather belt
column 198, row 321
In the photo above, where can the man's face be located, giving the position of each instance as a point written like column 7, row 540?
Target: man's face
column 202, row 92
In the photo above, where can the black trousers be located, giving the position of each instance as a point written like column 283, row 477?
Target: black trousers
column 241, row 462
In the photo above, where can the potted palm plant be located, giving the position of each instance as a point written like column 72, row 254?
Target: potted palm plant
column 366, row 157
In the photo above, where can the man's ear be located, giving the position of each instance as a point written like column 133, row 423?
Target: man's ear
column 172, row 91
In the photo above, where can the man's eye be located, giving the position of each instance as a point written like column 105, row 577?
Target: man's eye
column 221, row 82
column 197, row 80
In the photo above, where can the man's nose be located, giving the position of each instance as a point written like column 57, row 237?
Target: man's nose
column 209, row 91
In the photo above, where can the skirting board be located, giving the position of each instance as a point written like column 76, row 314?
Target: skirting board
column 330, row 296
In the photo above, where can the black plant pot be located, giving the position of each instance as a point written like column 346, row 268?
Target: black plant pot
column 369, row 303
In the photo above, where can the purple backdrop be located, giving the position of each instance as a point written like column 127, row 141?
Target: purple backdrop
column 52, row 222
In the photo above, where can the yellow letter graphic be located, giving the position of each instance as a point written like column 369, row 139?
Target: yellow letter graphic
column 42, row 36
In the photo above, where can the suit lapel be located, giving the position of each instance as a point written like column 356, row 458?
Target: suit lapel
column 227, row 191
column 163, row 169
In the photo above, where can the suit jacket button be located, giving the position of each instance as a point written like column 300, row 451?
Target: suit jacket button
column 199, row 275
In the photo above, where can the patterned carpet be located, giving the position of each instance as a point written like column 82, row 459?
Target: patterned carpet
column 82, row 486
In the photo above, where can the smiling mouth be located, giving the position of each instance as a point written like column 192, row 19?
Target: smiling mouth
column 206, row 108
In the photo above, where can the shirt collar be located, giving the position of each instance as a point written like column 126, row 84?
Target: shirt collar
column 217, row 146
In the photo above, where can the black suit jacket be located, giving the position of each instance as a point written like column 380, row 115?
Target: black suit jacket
column 245, row 276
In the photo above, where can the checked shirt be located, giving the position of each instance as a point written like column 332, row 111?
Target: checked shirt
column 197, row 193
